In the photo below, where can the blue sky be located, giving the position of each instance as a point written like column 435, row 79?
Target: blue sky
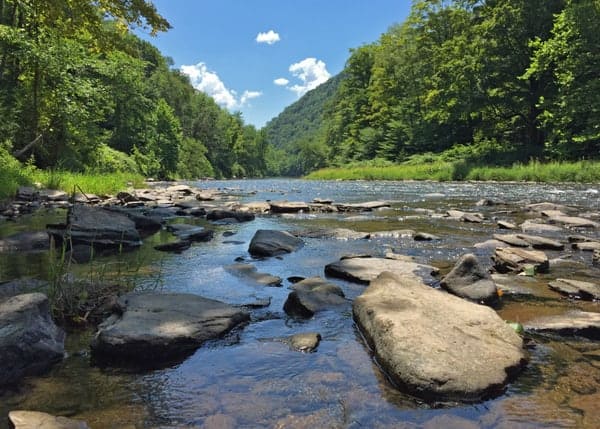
column 258, row 56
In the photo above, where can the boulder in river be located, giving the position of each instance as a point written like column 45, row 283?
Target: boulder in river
column 35, row 419
column 97, row 227
column 25, row 242
column 312, row 295
column 576, row 288
column 190, row 232
column 362, row 207
column 424, row 236
column 334, row 233
column 363, row 270
column 579, row 323
column 573, row 221
column 434, row 345
column 305, row 342
column 525, row 240
column 502, row 224
column 30, row 342
column 174, row 246
column 153, row 327
column 538, row 227
column 588, row 246
column 514, row 259
column 268, row 242
column 469, row 279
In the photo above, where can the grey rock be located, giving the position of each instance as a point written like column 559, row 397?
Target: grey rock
column 305, row 342
column 576, row 288
column 39, row 420
column 589, row 246
column 190, row 232
column 490, row 244
column 288, row 206
column 502, row 224
column 434, row 345
column 217, row 215
column 468, row 279
column 30, row 342
column 573, row 221
column 513, row 259
column 154, row 326
column 395, row 233
column 424, row 236
column 334, row 233
column 250, row 271
column 25, row 242
column 267, row 242
column 364, row 270
column 511, row 239
column 26, row 193
column 539, row 227
column 312, row 295
column 175, row 246
column 578, row 323
column 21, row 286
column 525, row 240
column 97, row 227
column 362, row 207
column 545, row 206
column 52, row 195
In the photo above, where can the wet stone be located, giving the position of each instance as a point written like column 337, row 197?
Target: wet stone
column 424, row 236
column 268, row 242
column 576, row 288
column 575, row 323
column 513, row 259
column 306, row 342
column 250, row 271
column 469, row 279
column 312, row 295
column 35, row 419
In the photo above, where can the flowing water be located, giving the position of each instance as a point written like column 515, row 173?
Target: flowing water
column 252, row 379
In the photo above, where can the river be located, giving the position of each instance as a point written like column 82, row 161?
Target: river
column 252, row 379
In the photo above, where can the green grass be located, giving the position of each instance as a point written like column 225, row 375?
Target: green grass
column 90, row 183
column 582, row 171
column 14, row 174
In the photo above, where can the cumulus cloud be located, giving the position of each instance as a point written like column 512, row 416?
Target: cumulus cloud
column 281, row 81
column 270, row 37
column 208, row 81
column 249, row 95
column 311, row 72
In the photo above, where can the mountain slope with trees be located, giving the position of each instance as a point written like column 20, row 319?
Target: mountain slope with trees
column 487, row 82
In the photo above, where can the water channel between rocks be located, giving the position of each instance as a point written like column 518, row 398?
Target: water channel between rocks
column 252, row 379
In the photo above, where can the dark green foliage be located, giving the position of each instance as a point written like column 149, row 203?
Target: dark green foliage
column 492, row 82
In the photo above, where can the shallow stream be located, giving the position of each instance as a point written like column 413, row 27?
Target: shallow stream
column 252, row 379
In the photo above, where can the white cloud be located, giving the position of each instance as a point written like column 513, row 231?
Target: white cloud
column 209, row 82
column 281, row 81
column 311, row 72
column 249, row 95
column 270, row 37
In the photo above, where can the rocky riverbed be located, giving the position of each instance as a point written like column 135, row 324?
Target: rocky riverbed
column 288, row 303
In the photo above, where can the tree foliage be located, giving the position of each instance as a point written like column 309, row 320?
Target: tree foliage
column 77, row 88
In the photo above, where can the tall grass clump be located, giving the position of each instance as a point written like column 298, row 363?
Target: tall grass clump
column 535, row 171
column 12, row 174
column 92, row 183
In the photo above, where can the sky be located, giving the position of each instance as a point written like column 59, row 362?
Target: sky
column 259, row 56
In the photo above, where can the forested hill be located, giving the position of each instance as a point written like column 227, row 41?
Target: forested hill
column 489, row 82
column 80, row 92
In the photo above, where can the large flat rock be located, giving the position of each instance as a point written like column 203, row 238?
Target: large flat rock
column 577, row 288
column 29, row 241
column 97, row 227
column 434, row 345
column 155, row 326
column 580, row 323
column 30, row 342
column 37, row 420
column 363, row 270
column 515, row 259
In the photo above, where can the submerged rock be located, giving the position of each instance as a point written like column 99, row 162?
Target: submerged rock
column 579, row 323
column 190, row 232
column 468, row 279
column 268, row 242
column 306, row 342
column 152, row 327
column 424, row 236
column 36, row 419
column 25, row 242
column 312, row 295
column 363, row 270
column 30, row 342
column 434, row 345
column 250, row 271
column 174, row 246
column 576, row 288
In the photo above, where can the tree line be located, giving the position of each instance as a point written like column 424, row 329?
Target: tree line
column 493, row 81
column 79, row 91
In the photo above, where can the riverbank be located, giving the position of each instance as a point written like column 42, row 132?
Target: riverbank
column 552, row 172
